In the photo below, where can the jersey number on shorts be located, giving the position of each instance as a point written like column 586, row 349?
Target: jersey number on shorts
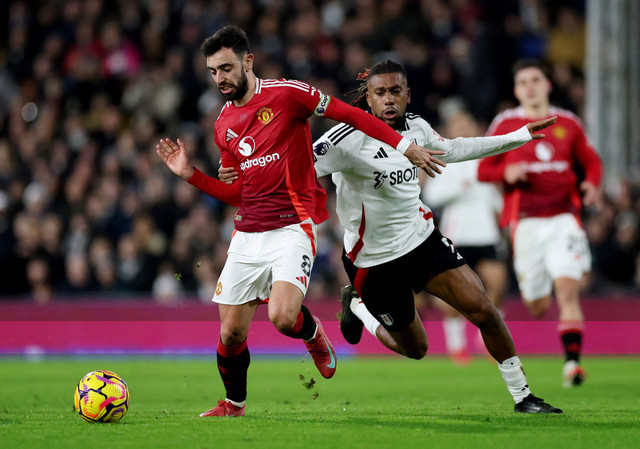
column 306, row 265
column 449, row 243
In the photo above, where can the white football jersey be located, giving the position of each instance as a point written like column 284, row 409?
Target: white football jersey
column 378, row 195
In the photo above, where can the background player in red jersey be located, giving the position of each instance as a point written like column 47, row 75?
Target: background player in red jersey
column 542, row 202
column 263, row 132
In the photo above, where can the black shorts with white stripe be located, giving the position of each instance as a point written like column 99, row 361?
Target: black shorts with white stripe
column 387, row 289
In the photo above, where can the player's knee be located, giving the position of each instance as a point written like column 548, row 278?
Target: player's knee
column 539, row 307
column 485, row 315
column 418, row 351
column 282, row 322
column 232, row 335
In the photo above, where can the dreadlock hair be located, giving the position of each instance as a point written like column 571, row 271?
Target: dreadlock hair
column 378, row 68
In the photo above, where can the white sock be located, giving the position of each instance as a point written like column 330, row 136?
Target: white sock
column 513, row 374
column 455, row 333
column 237, row 404
column 361, row 311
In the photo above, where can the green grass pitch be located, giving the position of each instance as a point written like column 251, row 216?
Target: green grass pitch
column 373, row 403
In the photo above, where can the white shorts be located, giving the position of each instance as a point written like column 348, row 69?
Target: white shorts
column 548, row 248
column 257, row 259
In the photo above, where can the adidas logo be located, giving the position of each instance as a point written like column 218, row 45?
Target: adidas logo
column 303, row 280
column 230, row 134
column 381, row 154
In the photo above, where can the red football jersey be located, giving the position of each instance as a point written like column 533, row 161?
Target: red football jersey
column 551, row 186
column 270, row 139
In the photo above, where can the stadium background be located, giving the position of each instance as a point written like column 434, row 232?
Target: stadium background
column 95, row 228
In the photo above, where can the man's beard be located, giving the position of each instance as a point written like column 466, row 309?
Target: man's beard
column 240, row 90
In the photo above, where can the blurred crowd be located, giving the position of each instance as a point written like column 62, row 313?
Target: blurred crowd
column 88, row 87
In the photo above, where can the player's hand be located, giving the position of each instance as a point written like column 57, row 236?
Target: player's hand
column 590, row 195
column 227, row 175
column 539, row 125
column 424, row 158
column 176, row 158
column 515, row 173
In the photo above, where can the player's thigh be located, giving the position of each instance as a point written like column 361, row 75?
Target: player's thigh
column 284, row 304
column 461, row 289
column 568, row 255
column 293, row 251
column 243, row 279
column 530, row 247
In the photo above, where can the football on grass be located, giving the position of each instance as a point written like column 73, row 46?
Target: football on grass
column 101, row 396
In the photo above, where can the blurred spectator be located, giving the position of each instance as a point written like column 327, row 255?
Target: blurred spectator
column 88, row 87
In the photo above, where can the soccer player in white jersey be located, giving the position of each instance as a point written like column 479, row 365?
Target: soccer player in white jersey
column 391, row 245
column 392, row 248
column 469, row 212
column 263, row 131
column 542, row 203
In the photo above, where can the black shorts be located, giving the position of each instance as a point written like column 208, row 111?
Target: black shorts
column 474, row 254
column 387, row 289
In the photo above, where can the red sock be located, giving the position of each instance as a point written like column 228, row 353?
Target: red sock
column 305, row 326
column 233, row 364
column 571, row 336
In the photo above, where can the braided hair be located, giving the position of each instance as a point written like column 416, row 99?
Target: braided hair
column 360, row 92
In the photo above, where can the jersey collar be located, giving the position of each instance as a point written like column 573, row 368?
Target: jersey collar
column 403, row 124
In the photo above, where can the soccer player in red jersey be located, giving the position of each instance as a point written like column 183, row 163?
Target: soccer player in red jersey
column 263, row 132
column 542, row 201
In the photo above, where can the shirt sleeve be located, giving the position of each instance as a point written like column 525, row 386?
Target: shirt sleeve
column 311, row 101
column 586, row 154
column 329, row 153
column 491, row 169
column 467, row 148
column 230, row 194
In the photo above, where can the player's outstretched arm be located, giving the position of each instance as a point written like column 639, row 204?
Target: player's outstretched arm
column 378, row 129
column 176, row 158
column 533, row 127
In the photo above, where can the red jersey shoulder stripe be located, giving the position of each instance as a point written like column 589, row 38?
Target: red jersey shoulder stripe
column 507, row 114
column 224, row 107
column 269, row 84
column 284, row 84
column 287, row 81
column 567, row 114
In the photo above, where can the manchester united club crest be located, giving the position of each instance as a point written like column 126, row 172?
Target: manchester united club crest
column 265, row 115
column 219, row 288
column 560, row 132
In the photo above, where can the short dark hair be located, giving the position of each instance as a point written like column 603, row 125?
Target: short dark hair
column 231, row 37
column 529, row 63
column 378, row 68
